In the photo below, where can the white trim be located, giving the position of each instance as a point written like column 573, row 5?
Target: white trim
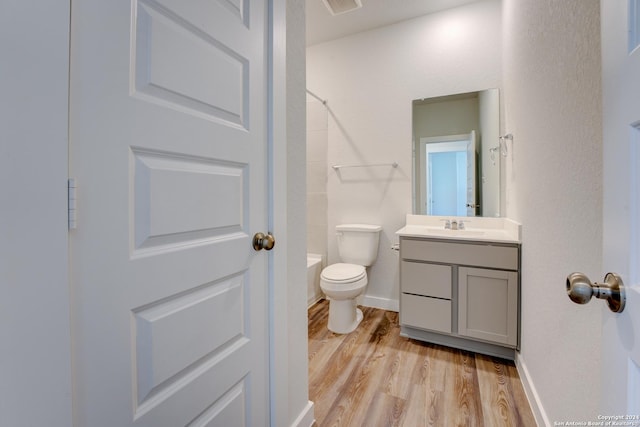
column 444, row 144
column 306, row 418
column 530, row 390
column 634, row 25
column 278, row 265
column 35, row 335
column 382, row 303
column 314, row 301
column 438, row 144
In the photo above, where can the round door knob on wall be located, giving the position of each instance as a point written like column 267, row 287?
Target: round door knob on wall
column 580, row 290
column 262, row 241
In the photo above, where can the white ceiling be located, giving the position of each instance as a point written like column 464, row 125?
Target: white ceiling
column 322, row 26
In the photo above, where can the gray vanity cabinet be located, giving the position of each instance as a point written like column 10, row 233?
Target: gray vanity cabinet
column 461, row 294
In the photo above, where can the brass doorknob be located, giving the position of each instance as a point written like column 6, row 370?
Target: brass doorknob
column 580, row 290
column 262, row 241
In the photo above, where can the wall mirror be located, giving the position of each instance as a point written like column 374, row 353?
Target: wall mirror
column 456, row 154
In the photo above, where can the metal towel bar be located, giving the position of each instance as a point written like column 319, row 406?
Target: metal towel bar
column 393, row 165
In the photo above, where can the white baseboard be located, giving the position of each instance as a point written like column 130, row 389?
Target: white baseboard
column 314, row 300
column 383, row 303
column 532, row 395
column 306, row 417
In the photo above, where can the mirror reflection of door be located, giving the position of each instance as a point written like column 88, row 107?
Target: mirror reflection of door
column 448, row 171
column 455, row 115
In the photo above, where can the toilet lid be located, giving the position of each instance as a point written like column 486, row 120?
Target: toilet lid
column 343, row 272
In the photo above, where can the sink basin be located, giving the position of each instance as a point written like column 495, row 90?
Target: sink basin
column 453, row 233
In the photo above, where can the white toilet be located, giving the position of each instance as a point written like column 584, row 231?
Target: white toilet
column 343, row 282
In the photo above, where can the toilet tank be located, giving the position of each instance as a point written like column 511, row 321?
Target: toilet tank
column 358, row 243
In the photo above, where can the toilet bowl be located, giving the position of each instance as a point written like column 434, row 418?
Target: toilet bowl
column 343, row 282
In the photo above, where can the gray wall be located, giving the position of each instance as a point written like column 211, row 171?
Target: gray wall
column 552, row 95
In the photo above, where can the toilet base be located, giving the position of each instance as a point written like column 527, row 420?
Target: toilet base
column 344, row 316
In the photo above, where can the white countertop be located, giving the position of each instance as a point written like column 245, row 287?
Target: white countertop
column 477, row 229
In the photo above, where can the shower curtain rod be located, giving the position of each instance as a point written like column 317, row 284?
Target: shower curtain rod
column 324, row 101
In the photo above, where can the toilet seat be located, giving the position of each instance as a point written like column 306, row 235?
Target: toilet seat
column 343, row 273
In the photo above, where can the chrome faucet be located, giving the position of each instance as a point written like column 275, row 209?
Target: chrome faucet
column 454, row 224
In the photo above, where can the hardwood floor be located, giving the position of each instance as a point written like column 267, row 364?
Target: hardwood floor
column 374, row 377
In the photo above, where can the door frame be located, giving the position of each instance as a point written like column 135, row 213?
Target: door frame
column 278, row 222
column 437, row 144
column 34, row 309
column 47, row 386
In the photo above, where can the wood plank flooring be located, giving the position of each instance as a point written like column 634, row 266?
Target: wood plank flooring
column 373, row 377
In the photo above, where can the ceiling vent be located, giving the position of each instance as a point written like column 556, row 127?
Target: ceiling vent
column 337, row 7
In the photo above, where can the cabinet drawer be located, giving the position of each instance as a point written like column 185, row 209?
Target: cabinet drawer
column 483, row 255
column 425, row 313
column 431, row 280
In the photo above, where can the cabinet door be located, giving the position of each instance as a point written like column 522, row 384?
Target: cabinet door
column 488, row 305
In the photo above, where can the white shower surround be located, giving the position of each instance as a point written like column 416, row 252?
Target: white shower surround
column 314, row 267
column 317, row 119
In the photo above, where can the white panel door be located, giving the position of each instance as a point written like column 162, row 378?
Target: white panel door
column 168, row 147
column 621, row 121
